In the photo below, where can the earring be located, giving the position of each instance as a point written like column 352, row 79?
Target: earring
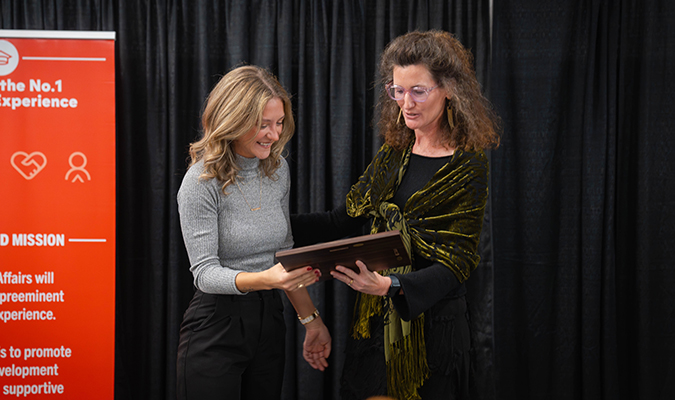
column 398, row 120
column 451, row 121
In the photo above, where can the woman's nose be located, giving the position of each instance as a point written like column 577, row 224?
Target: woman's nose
column 408, row 100
column 274, row 133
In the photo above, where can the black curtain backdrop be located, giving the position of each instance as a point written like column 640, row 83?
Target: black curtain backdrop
column 582, row 199
column 580, row 304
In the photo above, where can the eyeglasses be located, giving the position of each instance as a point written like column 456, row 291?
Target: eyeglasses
column 418, row 93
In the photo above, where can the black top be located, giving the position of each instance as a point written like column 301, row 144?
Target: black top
column 431, row 281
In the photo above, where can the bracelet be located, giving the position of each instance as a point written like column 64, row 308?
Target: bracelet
column 309, row 319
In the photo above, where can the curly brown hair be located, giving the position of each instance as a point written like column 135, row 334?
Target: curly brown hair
column 451, row 66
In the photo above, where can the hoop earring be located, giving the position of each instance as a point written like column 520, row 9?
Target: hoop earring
column 398, row 120
column 451, row 121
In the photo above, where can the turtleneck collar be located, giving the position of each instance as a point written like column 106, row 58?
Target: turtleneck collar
column 249, row 166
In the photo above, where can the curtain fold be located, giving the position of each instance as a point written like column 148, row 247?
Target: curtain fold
column 645, row 187
column 554, row 70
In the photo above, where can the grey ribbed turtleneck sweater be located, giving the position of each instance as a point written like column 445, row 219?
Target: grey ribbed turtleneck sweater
column 222, row 235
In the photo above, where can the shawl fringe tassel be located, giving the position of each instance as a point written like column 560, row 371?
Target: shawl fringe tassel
column 407, row 369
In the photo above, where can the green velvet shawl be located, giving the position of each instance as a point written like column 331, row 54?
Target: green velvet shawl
column 440, row 222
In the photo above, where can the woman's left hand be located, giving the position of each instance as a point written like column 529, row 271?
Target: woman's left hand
column 365, row 281
column 317, row 345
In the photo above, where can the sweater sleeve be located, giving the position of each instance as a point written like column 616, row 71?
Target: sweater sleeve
column 198, row 211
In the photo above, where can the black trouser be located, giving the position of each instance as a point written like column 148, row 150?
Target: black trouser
column 232, row 347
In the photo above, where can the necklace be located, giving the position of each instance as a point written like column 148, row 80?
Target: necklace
column 244, row 196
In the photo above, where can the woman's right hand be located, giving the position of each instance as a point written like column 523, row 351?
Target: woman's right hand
column 279, row 278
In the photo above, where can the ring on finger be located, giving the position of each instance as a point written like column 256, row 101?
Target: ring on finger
column 350, row 282
column 300, row 286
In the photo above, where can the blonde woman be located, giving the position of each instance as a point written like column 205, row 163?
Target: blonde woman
column 234, row 215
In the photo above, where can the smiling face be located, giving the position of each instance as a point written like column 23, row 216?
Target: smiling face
column 422, row 117
column 257, row 143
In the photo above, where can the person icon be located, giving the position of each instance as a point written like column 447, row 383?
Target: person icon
column 77, row 169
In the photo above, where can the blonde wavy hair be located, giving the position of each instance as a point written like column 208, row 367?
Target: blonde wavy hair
column 451, row 66
column 235, row 107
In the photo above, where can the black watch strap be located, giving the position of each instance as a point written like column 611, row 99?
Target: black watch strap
column 395, row 286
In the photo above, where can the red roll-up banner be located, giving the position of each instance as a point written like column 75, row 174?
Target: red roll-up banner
column 57, row 214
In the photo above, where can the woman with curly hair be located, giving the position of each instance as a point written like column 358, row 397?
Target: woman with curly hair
column 410, row 336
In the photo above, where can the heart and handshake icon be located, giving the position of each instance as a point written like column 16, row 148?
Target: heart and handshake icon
column 28, row 165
